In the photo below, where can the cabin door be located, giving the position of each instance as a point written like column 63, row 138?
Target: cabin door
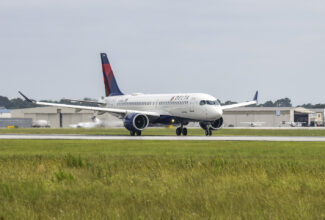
column 192, row 103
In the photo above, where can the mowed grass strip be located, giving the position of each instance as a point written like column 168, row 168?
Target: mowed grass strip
column 167, row 131
column 59, row 179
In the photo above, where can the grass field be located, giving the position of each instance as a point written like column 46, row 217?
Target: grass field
column 42, row 179
column 169, row 131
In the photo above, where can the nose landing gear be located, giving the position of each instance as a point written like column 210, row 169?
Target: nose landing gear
column 181, row 130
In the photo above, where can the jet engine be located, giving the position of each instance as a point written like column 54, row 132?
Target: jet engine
column 214, row 124
column 136, row 122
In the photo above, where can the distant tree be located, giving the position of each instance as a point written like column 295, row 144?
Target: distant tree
column 309, row 105
column 14, row 103
column 285, row 102
column 319, row 106
column 268, row 104
column 66, row 101
column 19, row 103
column 4, row 102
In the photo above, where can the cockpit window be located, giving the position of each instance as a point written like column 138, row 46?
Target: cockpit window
column 212, row 102
column 209, row 102
column 202, row 102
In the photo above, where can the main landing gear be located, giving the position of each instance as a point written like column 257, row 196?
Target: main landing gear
column 133, row 133
column 181, row 131
column 208, row 131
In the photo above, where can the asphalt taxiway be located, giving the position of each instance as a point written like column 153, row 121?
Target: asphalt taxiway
column 164, row 138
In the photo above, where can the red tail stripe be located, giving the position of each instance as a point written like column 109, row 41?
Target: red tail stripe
column 107, row 69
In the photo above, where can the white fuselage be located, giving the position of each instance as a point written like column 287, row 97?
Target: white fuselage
column 192, row 106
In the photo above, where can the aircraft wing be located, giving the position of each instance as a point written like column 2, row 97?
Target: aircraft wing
column 120, row 112
column 242, row 103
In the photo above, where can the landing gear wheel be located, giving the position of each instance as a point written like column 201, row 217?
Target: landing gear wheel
column 132, row 133
column 138, row 133
column 207, row 132
column 178, row 131
column 184, row 131
column 210, row 132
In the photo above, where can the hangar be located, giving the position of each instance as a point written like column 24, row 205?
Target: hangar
column 270, row 116
column 273, row 116
column 6, row 120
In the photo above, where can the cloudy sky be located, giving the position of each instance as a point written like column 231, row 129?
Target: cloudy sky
column 227, row 48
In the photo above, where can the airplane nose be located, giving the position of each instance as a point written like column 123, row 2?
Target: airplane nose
column 214, row 114
column 219, row 112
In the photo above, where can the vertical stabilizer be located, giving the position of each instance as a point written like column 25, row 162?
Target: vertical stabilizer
column 111, row 87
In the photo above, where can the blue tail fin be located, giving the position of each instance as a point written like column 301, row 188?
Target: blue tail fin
column 111, row 87
column 255, row 96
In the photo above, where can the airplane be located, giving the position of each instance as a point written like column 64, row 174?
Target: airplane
column 295, row 123
column 139, row 110
column 41, row 124
column 253, row 123
column 93, row 124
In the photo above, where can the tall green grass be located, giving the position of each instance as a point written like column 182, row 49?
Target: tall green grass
column 161, row 180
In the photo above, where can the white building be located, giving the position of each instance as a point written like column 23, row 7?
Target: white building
column 272, row 116
column 5, row 113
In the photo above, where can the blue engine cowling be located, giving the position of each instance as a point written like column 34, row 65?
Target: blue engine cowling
column 214, row 124
column 136, row 122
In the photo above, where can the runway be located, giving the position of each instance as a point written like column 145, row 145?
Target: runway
column 163, row 138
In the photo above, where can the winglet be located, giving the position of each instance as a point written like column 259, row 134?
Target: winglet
column 25, row 97
column 255, row 97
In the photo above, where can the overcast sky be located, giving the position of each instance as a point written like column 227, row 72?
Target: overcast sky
column 226, row 48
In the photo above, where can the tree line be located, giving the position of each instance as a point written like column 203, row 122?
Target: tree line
column 17, row 103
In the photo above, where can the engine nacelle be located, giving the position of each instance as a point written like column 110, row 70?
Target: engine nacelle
column 214, row 124
column 217, row 124
column 136, row 122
